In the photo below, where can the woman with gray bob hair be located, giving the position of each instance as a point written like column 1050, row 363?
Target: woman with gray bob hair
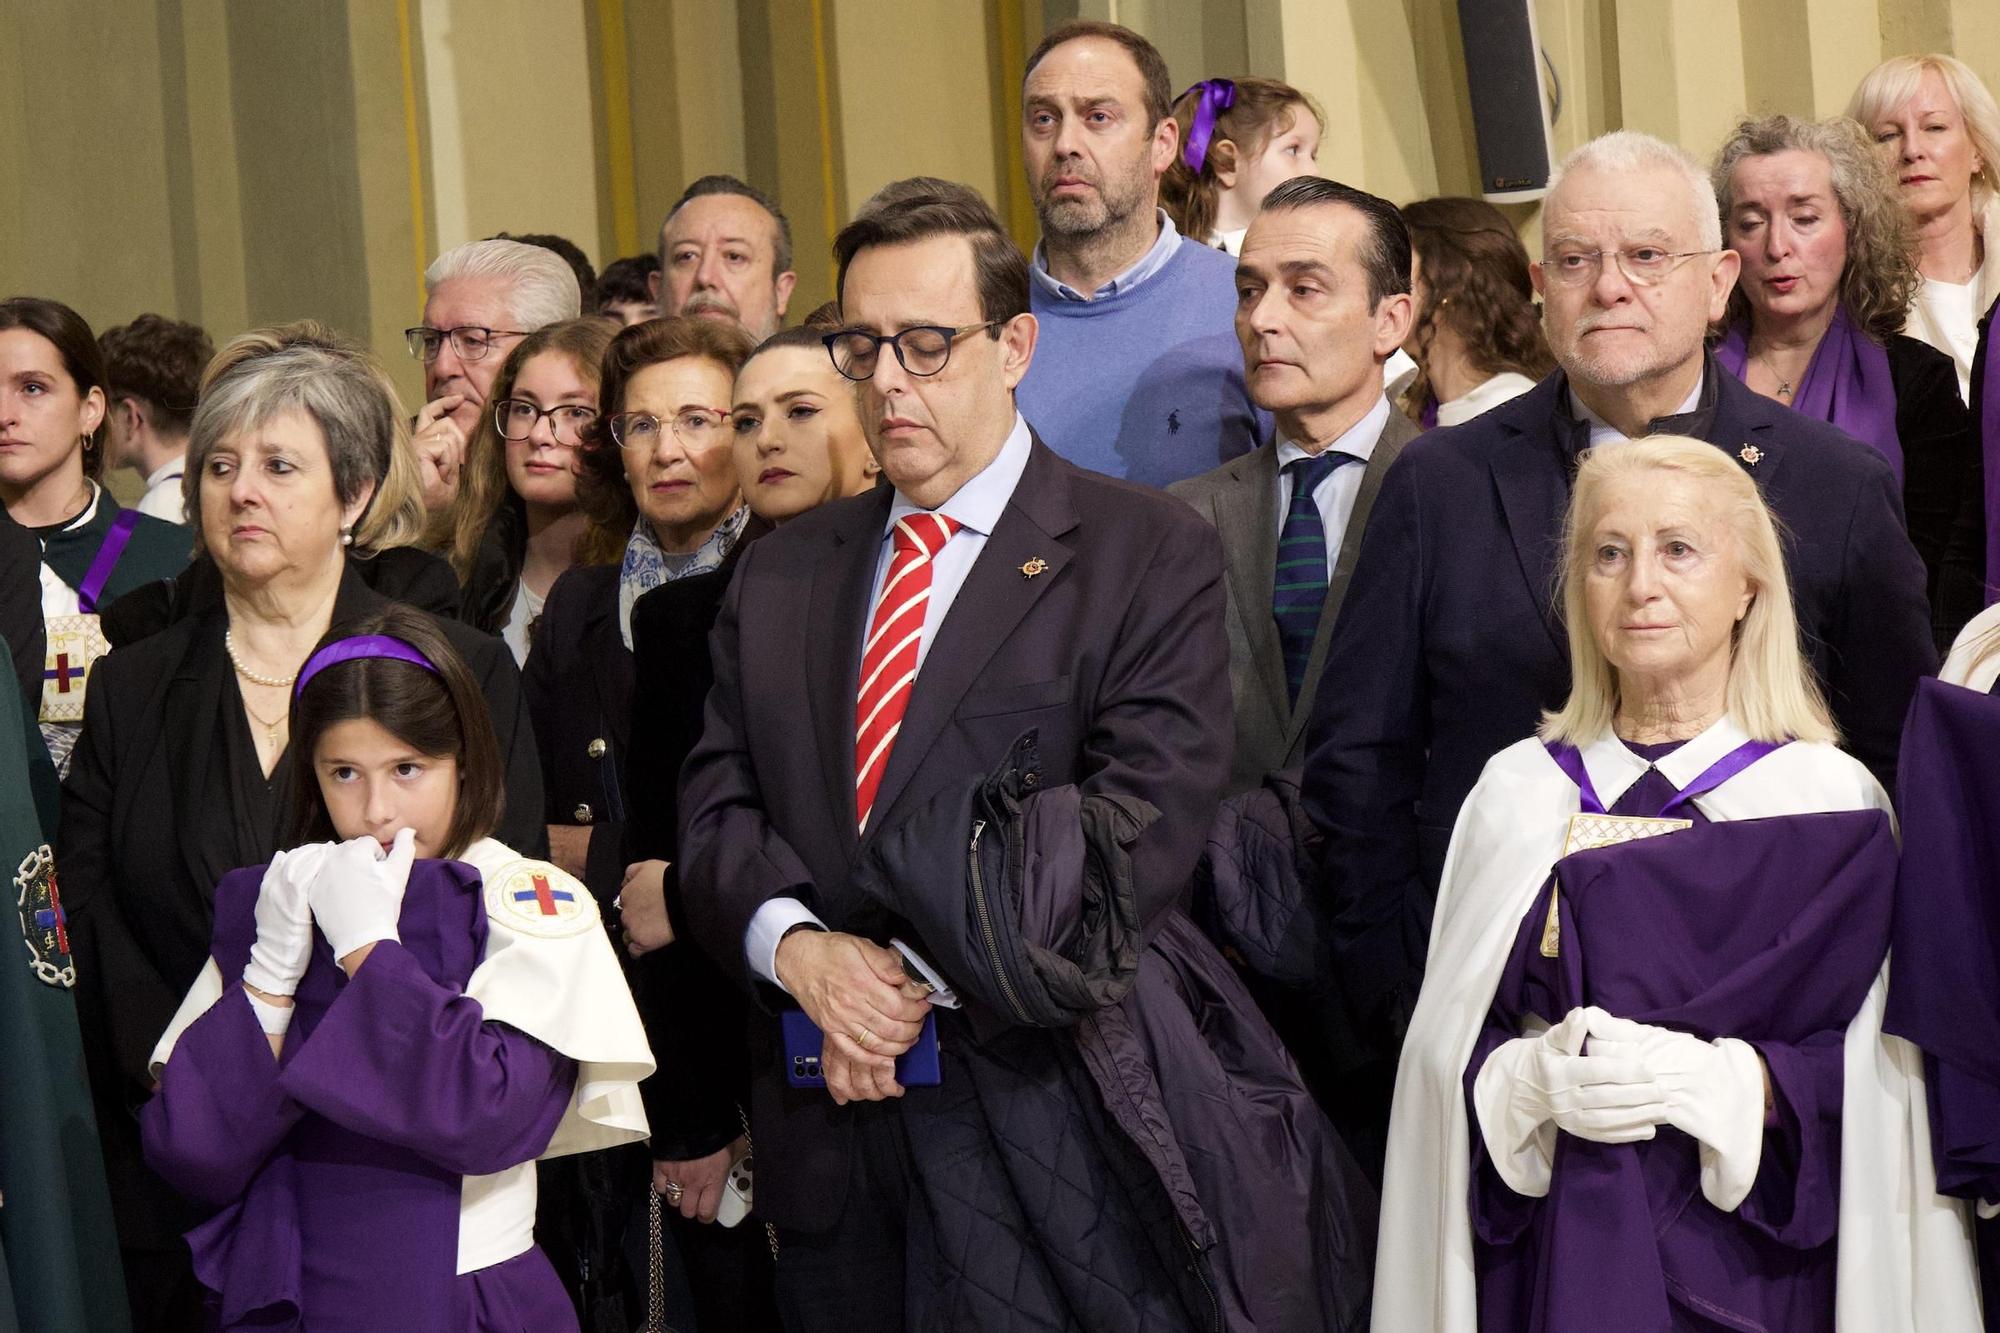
column 1658, row 950
column 1816, row 323
column 308, row 368
column 300, row 477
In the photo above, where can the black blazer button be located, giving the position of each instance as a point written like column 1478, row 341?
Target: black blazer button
column 582, row 814
column 595, row 749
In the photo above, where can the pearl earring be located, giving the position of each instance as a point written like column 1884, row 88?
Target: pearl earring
column 347, row 536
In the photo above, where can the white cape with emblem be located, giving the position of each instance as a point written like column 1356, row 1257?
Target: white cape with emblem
column 1906, row 1263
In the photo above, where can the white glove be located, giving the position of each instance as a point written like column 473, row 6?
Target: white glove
column 1532, row 1086
column 1714, row 1092
column 283, row 946
column 357, row 893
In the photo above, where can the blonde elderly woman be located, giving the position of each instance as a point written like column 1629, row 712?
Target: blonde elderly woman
column 1645, row 1086
column 1815, row 322
column 1939, row 130
column 297, row 456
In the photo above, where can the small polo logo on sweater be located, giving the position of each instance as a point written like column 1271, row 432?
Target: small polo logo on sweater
column 1174, row 422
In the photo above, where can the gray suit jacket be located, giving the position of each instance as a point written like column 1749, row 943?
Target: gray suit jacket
column 1241, row 499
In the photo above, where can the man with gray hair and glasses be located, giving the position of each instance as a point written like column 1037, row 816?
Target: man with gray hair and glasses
column 1448, row 648
column 480, row 299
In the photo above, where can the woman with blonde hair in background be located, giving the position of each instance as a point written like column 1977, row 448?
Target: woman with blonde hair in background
column 1939, row 131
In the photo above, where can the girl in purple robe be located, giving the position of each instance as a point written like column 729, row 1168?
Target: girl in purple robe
column 399, row 1016
column 1645, row 1086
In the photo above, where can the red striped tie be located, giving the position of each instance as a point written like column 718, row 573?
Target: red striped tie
column 889, row 658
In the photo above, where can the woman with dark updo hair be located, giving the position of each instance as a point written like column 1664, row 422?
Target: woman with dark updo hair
column 1477, row 337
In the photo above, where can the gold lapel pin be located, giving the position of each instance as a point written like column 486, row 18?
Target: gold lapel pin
column 1033, row 567
column 1751, row 454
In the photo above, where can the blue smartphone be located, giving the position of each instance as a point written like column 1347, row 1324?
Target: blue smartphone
column 917, row 1067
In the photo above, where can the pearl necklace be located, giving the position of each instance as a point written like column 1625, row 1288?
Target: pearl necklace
column 271, row 682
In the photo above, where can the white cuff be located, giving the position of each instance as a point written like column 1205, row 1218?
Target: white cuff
column 1523, row 1153
column 1732, row 1141
column 767, row 927
column 275, row 1019
column 1988, row 1210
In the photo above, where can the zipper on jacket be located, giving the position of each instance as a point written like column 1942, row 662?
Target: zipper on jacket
column 985, row 911
column 1200, row 1272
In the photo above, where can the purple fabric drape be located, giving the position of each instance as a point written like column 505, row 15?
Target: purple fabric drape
column 1986, row 407
column 1846, row 383
column 339, row 1168
column 1944, row 991
column 1702, row 931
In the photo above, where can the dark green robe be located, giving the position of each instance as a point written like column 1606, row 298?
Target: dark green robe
column 59, row 1269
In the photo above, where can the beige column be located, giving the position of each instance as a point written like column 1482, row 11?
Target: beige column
column 1680, row 69
column 1358, row 59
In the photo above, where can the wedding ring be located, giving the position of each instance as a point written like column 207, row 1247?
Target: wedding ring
column 673, row 1192
column 865, row 1037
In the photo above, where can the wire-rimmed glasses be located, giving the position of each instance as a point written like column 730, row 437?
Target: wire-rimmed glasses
column 695, row 427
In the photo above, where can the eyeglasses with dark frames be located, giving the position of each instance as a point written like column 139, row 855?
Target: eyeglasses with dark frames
column 694, row 427
column 471, row 341
column 515, row 419
column 921, row 350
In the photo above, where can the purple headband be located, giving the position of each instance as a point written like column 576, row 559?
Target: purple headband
column 1217, row 96
column 360, row 646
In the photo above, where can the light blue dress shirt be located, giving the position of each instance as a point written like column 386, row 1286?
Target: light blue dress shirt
column 1335, row 495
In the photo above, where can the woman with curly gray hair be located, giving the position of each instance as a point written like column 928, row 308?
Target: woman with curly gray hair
column 1816, row 322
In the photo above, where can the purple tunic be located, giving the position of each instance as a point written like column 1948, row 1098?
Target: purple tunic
column 1944, row 989
column 338, row 1167
column 1698, row 931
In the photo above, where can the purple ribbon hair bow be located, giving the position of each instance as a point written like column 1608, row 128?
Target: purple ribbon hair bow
column 1217, row 96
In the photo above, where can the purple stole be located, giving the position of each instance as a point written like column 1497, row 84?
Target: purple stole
column 322, row 1175
column 1944, row 991
column 1846, row 383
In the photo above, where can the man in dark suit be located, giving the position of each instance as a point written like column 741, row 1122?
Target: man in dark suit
column 1448, row 648
column 884, row 649
column 1323, row 302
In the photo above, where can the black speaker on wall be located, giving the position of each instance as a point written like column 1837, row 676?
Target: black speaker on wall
column 1510, row 117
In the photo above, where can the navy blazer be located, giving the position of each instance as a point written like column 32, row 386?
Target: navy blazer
column 1448, row 648
column 1093, row 617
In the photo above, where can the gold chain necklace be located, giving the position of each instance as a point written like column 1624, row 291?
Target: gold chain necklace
column 270, row 726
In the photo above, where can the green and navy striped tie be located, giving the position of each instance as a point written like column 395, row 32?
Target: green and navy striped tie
column 1298, row 594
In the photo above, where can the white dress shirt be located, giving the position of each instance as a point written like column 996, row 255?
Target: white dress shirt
column 1603, row 432
column 163, row 492
column 1502, row 388
column 976, row 507
column 1336, row 493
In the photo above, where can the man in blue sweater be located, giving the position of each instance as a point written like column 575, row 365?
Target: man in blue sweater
column 1138, row 373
